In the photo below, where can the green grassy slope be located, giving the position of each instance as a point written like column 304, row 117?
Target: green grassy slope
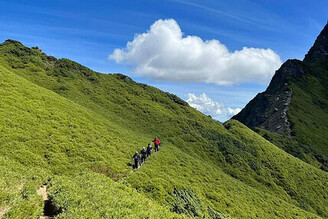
column 81, row 131
column 303, row 131
column 44, row 136
column 296, row 148
column 310, row 122
column 308, row 115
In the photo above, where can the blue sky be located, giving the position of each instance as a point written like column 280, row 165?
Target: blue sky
column 89, row 31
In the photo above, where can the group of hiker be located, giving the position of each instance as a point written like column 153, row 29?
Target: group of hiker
column 140, row 158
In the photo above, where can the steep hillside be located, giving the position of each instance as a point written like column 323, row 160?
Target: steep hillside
column 45, row 137
column 295, row 106
column 76, row 130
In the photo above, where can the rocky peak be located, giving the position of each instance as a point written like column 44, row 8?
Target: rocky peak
column 268, row 110
column 291, row 70
column 320, row 48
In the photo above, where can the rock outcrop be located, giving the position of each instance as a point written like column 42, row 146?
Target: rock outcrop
column 268, row 110
column 320, row 48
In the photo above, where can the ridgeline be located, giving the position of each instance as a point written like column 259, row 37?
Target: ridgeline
column 292, row 112
column 75, row 130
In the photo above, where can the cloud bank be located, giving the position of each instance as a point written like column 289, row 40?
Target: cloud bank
column 210, row 107
column 233, row 112
column 163, row 53
column 204, row 104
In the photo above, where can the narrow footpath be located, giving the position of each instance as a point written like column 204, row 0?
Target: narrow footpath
column 48, row 209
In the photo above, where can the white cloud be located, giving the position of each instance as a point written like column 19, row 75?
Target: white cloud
column 204, row 104
column 210, row 107
column 163, row 53
column 233, row 112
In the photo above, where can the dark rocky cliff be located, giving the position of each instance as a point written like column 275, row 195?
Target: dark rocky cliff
column 268, row 110
column 320, row 48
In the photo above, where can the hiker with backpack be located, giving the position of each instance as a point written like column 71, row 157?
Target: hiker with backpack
column 143, row 153
column 156, row 144
column 136, row 158
column 149, row 150
column 139, row 159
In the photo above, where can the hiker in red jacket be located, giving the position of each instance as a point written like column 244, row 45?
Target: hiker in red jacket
column 156, row 144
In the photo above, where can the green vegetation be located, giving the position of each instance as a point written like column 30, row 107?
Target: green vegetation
column 308, row 116
column 75, row 129
column 17, row 189
column 296, row 148
column 310, row 122
column 109, row 199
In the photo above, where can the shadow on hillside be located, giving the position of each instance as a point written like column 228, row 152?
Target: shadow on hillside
column 50, row 210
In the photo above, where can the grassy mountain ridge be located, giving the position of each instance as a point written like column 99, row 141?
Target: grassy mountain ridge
column 295, row 106
column 84, row 122
column 310, row 122
column 38, row 144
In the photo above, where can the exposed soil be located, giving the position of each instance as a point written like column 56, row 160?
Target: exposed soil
column 49, row 210
column 3, row 211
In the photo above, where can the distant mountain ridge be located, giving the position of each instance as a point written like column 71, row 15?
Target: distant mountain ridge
column 281, row 107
